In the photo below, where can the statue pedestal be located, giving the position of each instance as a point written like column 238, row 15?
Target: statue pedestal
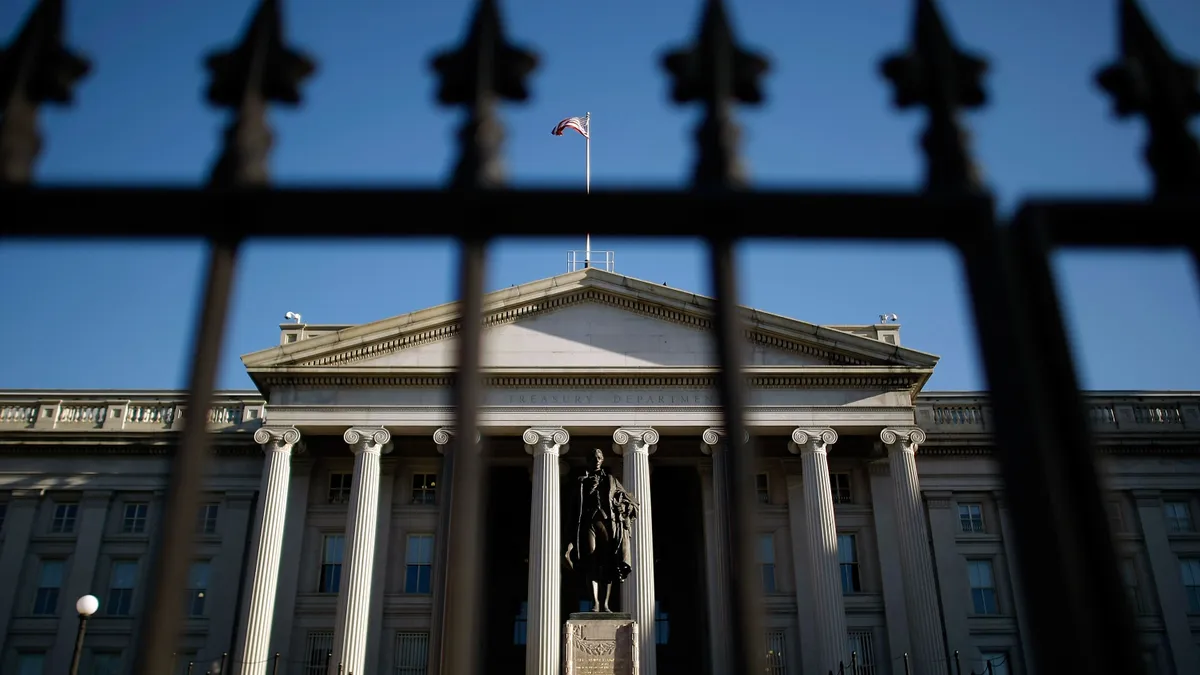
column 600, row 643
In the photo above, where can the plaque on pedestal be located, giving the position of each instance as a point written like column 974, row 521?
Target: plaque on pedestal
column 600, row 643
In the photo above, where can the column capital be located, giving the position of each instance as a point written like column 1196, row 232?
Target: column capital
column 637, row 439
column 811, row 440
column 907, row 438
column 278, row 438
column 715, row 436
column 368, row 440
column 553, row 440
column 443, row 436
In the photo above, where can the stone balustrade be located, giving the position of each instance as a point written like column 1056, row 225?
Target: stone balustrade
column 123, row 411
column 1116, row 412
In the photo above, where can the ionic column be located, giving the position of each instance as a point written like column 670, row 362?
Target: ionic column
column 542, row 646
column 716, row 445
column 828, row 609
column 444, row 438
column 362, row 515
column 266, row 549
column 920, row 588
column 637, row 593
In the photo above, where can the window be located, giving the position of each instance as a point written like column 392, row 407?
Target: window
column 839, row 485
column 339, row 487
column 31, row 663
column 761, row 489
column 418, row 567
column 3, row 513
column 997, row 660
column 766, row 561
column 662, row 624
column 106, row 663
column 983, row 586
column 970, row 517
column 120, row 587
column 134, row 521
column 332, row 548
column 521, row 622
column 64, row 518
column 861, row 646
column 1190, row 569
column 847, row 551
column 1179, row 516
column 197, row 588
column 412, row 654
column 206, row 520
column 318, row 651
column 1129, row 578
column 424, row 488
column 50, row 578
column 776, row 661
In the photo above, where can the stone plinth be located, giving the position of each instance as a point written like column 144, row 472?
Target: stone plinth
column 600, row 643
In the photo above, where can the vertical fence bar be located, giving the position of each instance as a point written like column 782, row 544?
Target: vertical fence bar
column 464, row 582
column 164, row 616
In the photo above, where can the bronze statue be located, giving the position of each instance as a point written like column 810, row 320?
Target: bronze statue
column 602, row 529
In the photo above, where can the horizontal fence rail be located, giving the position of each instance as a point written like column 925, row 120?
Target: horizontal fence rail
column 1080, row 619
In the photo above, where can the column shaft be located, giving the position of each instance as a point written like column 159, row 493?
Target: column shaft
column 920, row 588
column 362, row 514
column 715, row 445
column 637, row 593
column 267, row 548
column 543, row 643
column 825, row 574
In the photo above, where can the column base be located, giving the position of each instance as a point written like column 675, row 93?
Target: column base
column 600, row 643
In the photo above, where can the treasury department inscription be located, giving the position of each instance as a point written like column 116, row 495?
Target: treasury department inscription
column 607, row 398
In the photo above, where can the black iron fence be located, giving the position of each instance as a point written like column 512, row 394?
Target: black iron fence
column 1080, row 621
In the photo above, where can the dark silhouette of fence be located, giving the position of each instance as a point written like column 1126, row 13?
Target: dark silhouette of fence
column 1079, row 618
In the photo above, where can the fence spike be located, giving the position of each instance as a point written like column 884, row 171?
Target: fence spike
column 1147, row 80
column 35, row 68
column 482, row 71
column 716, row 71
column 261, row 68
column 934, row 73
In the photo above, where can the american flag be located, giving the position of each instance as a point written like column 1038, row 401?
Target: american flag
column 579, row 124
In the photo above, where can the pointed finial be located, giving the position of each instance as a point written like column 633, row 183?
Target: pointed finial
column 35, row 68
column 258, row 70
column 482, row 71
column 1147, row 80
column 717, row 72
column 934, row 73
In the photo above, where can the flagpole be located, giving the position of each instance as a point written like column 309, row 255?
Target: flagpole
column 587, row 143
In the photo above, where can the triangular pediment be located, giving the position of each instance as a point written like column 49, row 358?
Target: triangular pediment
column 586, row 319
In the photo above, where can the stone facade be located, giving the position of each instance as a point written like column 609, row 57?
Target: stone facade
column 882, row 528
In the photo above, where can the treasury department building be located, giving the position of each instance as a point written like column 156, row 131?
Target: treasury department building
column 882, row 533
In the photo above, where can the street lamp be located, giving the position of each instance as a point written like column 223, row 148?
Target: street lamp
column 86, row 606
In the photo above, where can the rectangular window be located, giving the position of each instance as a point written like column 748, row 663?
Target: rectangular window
column 412, row 654
column 424, row 488
column 31, row 663
column 120, row 587
column 762, row 488
column 847, row 550
column 339, row 487
column 997, row 661
column 332, row 548
column 839, row 485
column 64, row 519
column 50, row 578
column 1189, row 568
column 206, row 519
column 521, row 622
column 418, row 564
column 662, row 624
column 983, row 586
column 134, row 521
column 1129, row 578
column 318, row 650
column 766, row 561
column 106, row 663
column 197, row 588
column 1179, row 516
column 861, row 645
column 776, row 658
column 970, row 517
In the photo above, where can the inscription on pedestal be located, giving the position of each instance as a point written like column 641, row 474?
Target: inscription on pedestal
column 600, row 646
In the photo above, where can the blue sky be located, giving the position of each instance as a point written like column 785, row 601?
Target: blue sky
column 95, row 315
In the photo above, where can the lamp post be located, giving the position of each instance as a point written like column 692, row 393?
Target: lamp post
column 86, row 606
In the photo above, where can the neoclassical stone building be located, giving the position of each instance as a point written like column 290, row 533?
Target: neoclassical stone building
column 881, row 527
